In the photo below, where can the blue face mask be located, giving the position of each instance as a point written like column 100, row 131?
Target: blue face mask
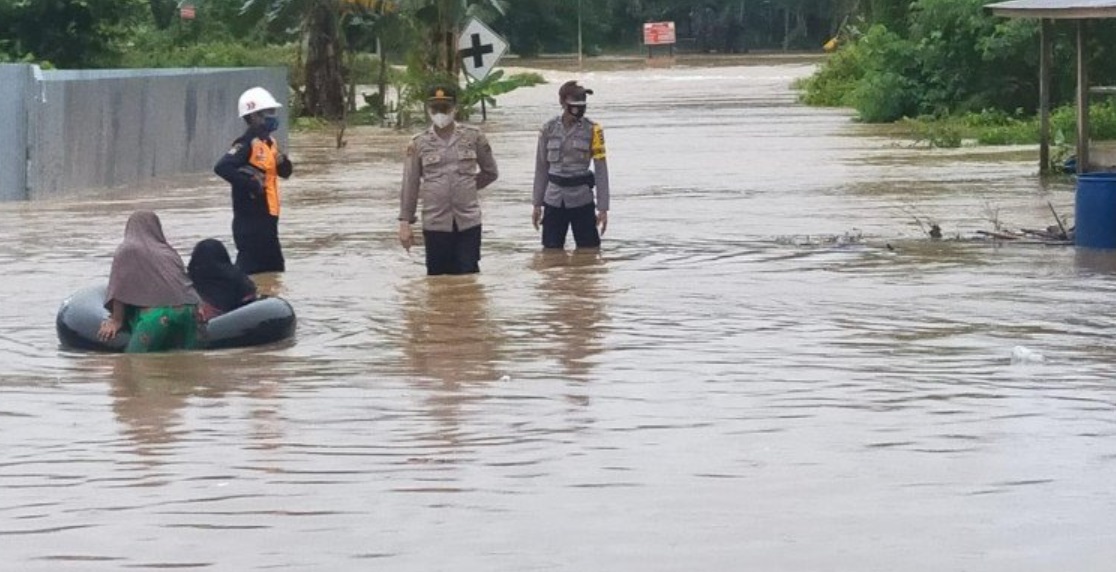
column 271, row 123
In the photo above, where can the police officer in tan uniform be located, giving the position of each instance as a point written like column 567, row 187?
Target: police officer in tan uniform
column 445, row 166
column 564, row 184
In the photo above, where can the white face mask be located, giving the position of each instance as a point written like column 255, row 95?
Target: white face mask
column 441, row 120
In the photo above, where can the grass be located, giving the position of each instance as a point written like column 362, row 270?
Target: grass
column 992, row 127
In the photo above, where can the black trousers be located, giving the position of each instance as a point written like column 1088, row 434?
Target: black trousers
column 257, row 244
column 558, row 220
column 454, row 252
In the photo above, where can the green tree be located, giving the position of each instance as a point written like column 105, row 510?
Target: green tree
column 162, row 12
column 68, row 33
column 440, row 21
column 953, row 57
column 325, row 84
column 321, row 24
column 533, row 26
column 891, row 14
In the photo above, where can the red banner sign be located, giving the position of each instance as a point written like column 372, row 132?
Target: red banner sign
column 658, row 33
column 187, row 12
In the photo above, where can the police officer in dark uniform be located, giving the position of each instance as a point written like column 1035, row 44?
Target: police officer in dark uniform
column 564, row 184
column 253, row 167
column 445, row 166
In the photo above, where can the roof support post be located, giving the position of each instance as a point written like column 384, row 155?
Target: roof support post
column 1045, row 58
column 1082, row 101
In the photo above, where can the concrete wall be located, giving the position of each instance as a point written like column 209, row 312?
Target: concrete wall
column 105, row 128
column 15, row 86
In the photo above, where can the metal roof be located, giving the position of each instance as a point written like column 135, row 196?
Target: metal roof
column 1055, row 9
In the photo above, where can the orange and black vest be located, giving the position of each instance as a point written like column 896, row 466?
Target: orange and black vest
column 264, row 156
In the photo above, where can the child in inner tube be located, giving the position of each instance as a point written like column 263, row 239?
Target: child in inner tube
column 221, row 286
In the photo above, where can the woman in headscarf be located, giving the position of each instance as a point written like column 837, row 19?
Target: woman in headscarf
column 221, row 285
column 148, row 289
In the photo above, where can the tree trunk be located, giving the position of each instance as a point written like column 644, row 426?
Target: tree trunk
column 325, row 85
column 381, row 83
column 352, row 80
column 786, row 29
column 443, row 39
column 163, row 12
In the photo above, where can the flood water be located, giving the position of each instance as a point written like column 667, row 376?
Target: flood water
column 768, row 366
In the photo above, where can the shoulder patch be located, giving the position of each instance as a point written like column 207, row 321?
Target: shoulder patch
column 598, row 142
column 472, row 132
column 235, row 148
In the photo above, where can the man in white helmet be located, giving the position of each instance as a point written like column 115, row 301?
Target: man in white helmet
column 253, row 166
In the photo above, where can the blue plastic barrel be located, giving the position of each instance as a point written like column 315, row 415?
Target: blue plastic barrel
column 1095, row 211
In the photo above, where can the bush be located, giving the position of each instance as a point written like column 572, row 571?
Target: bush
column 947, row 134
column 950, row 58
column 990, row 118
column 495, row 84
column 873, row 74
column 992, row 127
column 1018, row 133
column 835, row 81
column 884, row 97
column 1102, row 120
column 365, row 69
column 155, row 50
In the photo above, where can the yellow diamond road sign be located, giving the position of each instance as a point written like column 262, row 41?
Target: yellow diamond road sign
column 480, row 48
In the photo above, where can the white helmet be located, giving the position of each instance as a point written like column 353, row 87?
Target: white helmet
column 256, row 99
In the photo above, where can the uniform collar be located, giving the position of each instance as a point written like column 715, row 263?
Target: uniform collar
column 453, row 137
column 572, row 127
column 577, row 121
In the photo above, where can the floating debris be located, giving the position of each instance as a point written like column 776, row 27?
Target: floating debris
column 1023, row 355
column 854, row 237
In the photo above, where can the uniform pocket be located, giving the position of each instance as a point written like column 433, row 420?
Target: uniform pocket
column 553, row 150
column 582, row 147
column 467, row 161
column 430, row 165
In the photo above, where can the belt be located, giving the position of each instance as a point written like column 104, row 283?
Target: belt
column 586, row 179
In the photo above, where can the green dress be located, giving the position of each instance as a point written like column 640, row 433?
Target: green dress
column 163, row 328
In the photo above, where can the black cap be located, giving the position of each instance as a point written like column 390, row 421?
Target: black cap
column 441, row 92
column 571, row 92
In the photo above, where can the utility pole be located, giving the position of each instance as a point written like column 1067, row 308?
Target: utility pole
column 579, row 50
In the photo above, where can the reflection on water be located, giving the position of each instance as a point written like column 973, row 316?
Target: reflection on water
column 449, row 335
column 572, row 290
column 703, row 394
column 152, row 392
column 1095, row 261
column 148, row 397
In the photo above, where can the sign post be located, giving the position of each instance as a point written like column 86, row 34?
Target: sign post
column 658, row 34
column 480, row 48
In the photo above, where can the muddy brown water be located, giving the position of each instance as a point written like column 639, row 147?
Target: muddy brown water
column 768, row 366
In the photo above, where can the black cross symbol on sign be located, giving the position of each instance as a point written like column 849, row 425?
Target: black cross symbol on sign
column 477, row 51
